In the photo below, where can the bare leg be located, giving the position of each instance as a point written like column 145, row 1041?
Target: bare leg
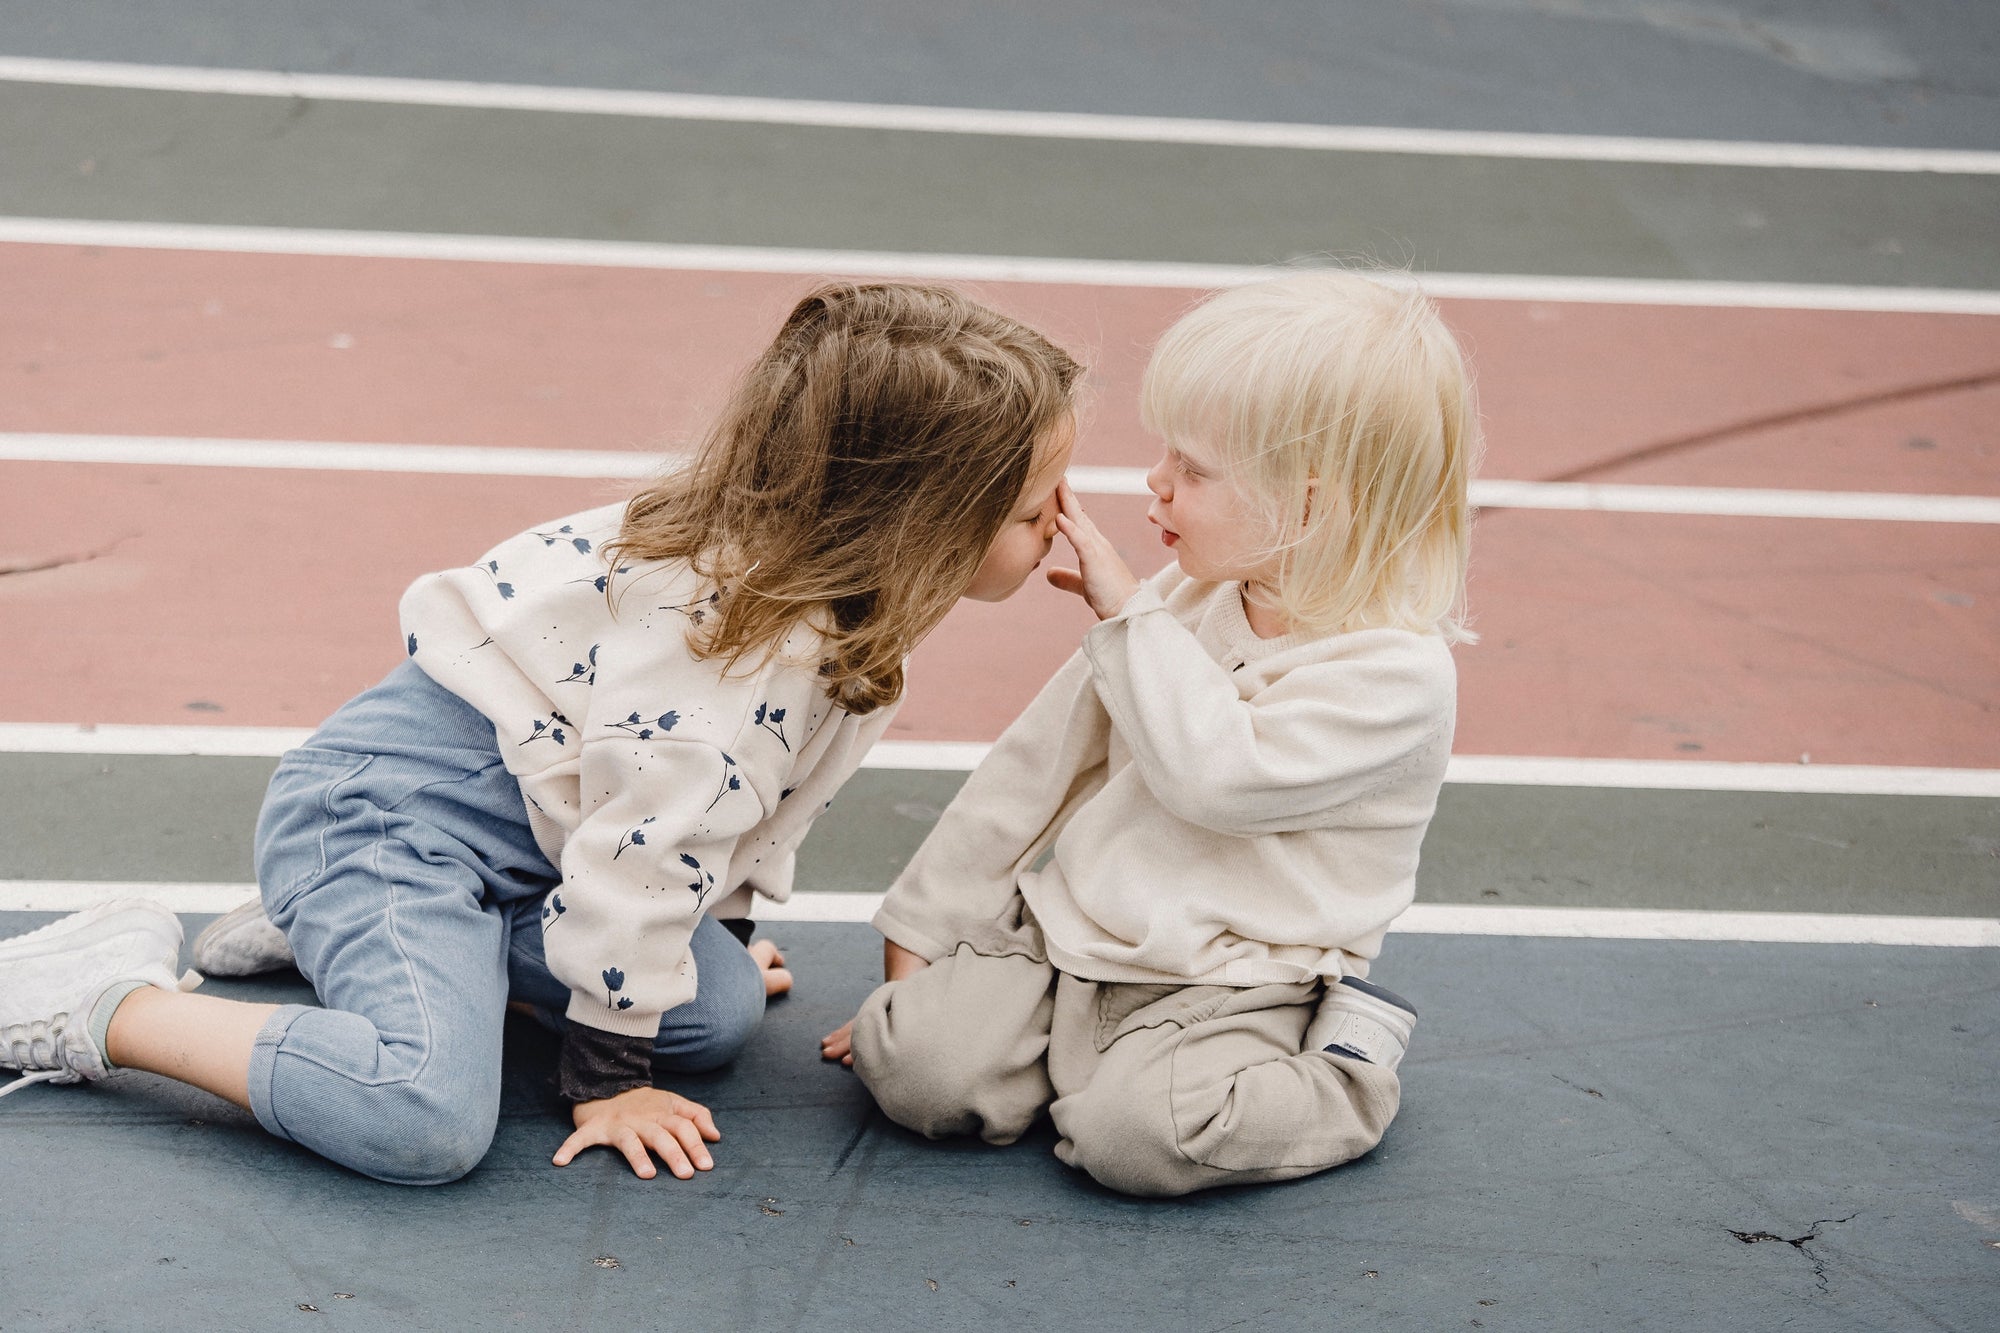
column 202, row 1040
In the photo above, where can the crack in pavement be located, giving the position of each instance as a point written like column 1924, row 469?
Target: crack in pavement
column 59, row 561
column 1646, row 453
column 1797, row 1242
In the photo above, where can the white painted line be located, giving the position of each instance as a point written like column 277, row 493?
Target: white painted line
column 819, row 907
column 964, row 756
column 929, row 756
column 203, row 742
column 966, row 120
column 66, row 895
column 1716, row 775
column 1107, row 480
column 967, row 268
column 1605, row 923
column 1736, row 502
column 166, row 451
column 1422, row 919
column 316, row 455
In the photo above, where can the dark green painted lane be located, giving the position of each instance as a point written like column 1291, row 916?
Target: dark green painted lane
column 118, row 154
column 148, row 818
column 1916, row 72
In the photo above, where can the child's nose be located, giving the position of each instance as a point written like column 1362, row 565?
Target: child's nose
column 1159, row 479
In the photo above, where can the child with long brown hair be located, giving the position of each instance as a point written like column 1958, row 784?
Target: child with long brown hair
column 610, row 733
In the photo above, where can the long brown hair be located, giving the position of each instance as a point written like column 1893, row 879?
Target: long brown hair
column 856, row 477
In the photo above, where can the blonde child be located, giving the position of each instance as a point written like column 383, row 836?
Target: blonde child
column 611, row 731
column 1233, row 777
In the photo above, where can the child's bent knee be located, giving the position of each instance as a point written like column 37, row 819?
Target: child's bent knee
column 409, row 1133
column 927, row 1078
column 421, row 1139
column 720, row 1036
column 435, row 1159
column 1126, row 1143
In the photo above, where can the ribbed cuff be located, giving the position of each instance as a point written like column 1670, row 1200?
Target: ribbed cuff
column 107, row 1004
column 596, row 1064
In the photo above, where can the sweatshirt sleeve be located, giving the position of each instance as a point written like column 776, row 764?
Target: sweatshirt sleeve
column 1287, row 758
column 1045, row 764
column 641, row 866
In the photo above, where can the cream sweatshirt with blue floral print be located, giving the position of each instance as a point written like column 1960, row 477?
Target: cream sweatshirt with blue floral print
column 1222, row 808
column 659, row 785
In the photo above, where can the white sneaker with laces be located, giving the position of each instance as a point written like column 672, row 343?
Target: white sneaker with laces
column 241, row 943
column 1362, row 1021
column 50, row 979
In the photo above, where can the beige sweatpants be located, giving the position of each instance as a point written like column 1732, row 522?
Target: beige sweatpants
column 1154, row 1090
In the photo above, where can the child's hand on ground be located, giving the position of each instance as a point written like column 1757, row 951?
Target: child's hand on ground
column 897, row 963
column 839, row 1044
column 641, row 1123
column 1102, row 577
column 777, row 978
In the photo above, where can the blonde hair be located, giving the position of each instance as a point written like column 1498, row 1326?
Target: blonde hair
column 855, row 479
column 1343, row 407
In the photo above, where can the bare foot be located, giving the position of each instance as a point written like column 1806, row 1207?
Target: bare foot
column 777, row 980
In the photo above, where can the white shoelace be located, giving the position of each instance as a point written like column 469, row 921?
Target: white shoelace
column 39, row 1076
column 37, row 1050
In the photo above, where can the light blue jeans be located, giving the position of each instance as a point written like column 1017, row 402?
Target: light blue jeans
column 394, row 852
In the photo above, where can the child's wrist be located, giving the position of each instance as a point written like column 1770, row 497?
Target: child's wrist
column 898, row 962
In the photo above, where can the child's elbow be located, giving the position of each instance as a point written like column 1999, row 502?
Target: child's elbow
column 1232, row 809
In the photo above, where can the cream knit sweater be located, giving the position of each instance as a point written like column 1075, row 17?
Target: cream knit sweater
column 1222, row 808
column 660, row 787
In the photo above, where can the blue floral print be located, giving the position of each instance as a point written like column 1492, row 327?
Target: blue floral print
column 614, row 981
column 703, row 880
column 638, row 726
column 553, row 909
column 730, row 782
column 492, row 568
column 633, row 837
column 566, row 533
column 773, row 721
column 583, row 671
column 550, row 729
column 697, row 610
column 603, row 581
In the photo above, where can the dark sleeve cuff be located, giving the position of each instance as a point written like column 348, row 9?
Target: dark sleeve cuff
column 597, row 1064
column 742, row 927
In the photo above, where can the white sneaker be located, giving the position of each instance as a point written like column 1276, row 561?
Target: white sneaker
column 1362, row 1021
column 241, row 943
column 51, row 978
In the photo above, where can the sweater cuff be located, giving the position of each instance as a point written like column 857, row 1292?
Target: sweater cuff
column 906, row 936
column 597, row 1064
column 1141, row 601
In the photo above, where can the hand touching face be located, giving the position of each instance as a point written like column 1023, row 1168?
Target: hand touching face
column 1101, row 578
column 1030, row 530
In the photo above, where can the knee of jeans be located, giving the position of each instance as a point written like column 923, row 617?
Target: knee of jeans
column 731, row 1010
column 430, row 1140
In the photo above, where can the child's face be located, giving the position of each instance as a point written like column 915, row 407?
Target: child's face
column 1215, row 530
column 1031, row 529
